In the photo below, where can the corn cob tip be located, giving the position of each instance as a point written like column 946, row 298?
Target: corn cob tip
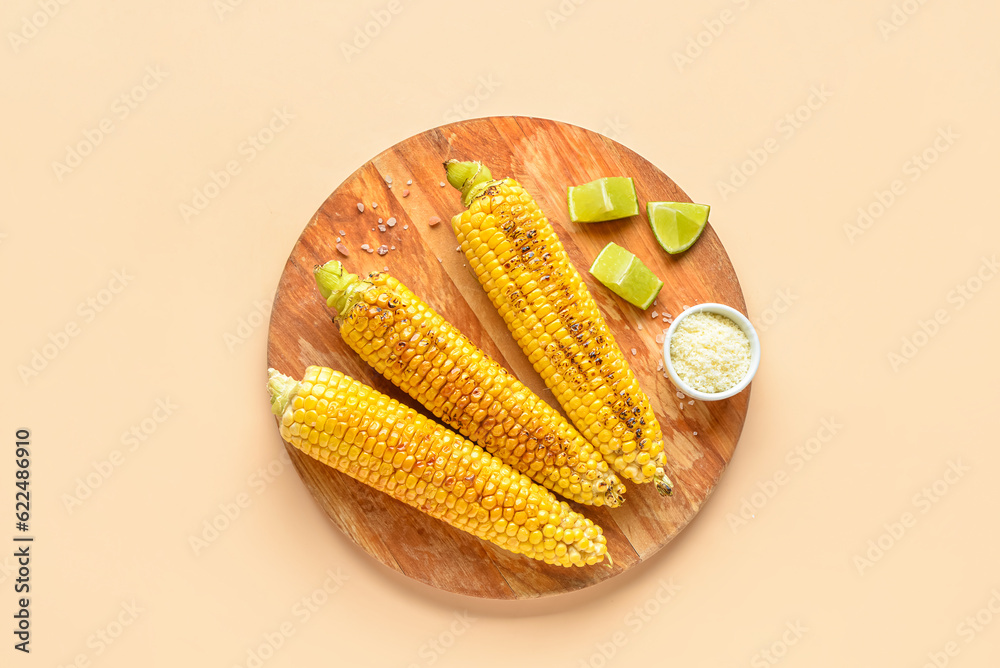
column 465, row 176
column 663, row 484
column 281, row 388
column 336, row 284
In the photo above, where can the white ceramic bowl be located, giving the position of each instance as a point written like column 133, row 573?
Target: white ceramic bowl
column 743, row 323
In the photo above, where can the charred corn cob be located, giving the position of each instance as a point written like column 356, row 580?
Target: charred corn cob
column 410, row 344
column 392, row 448
column 524, row 269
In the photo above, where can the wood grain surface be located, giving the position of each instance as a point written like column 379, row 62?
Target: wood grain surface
column 545, row 157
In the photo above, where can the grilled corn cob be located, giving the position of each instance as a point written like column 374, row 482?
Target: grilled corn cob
column 392, row 448
column 410, row 344
column 524, row 269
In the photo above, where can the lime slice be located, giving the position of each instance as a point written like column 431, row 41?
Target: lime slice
column 677, row 225
column 604, row 199
column 626, row 276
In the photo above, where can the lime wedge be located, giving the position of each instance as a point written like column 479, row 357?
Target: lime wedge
column 604, row 199
column 677, row 225
column 626, row 276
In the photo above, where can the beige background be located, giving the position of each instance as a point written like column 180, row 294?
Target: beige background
column 184, row 328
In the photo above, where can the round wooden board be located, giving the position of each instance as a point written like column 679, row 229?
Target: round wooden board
column 544, row 156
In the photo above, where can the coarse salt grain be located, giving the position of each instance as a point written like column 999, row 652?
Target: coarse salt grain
column 361, row 207
column 710, row 352
column 406, row 193
column 374, row 205
column 342, row 232
column 409, row 182
column 406, row 227
column 441, row 184
column 634, row 351
column 391, row 222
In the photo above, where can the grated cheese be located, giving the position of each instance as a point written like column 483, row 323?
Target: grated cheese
column 710, row 352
